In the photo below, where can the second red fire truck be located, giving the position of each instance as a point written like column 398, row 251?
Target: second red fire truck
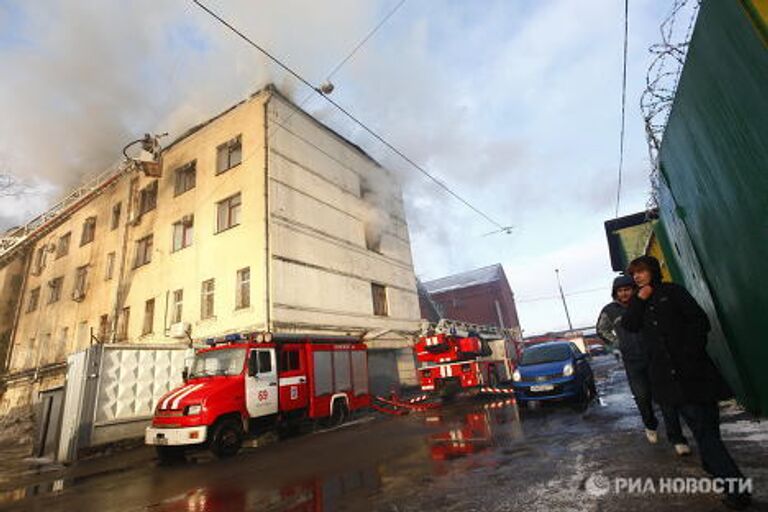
column 454, row 356
column 243, row 383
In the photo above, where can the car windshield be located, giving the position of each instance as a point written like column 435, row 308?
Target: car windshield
column 218, row 362
column 545, row 354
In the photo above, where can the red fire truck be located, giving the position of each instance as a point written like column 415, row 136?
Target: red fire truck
column 455, row 355
column 243, row 384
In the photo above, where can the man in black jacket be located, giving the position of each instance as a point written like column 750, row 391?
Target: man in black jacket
column 675, row 328
column 637, row 366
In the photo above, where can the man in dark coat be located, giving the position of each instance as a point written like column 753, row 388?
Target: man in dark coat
column 675, row 328
column 637, row 365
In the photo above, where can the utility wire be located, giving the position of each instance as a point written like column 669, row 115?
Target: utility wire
column 341, row 63
column 350, row 116
column 338, row 66
column 623, row 105
column 557, row 297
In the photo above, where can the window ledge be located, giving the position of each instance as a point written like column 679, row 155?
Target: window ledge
column 226, row 229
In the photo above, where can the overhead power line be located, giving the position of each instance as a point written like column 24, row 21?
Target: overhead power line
column 364, row 40
column 341, row 63
column 623, row 104
column 349, row 115
column 558, row 297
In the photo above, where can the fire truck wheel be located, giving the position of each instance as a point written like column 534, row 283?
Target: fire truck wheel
column 227, row 438
column 170, row 454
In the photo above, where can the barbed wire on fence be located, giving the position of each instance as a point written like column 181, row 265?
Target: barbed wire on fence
column 662, row 80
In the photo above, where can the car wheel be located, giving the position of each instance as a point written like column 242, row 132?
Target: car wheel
column 227, row 438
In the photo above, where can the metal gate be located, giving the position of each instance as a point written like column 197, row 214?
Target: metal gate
column 112, row 390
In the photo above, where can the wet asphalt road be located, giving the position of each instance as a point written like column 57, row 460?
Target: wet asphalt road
column 474, row 455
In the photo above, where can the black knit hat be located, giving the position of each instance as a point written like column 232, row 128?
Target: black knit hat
column 620, row 282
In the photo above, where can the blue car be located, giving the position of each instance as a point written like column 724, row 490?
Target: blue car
column 555, row 370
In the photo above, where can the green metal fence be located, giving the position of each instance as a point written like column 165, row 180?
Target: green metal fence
column 714, row 192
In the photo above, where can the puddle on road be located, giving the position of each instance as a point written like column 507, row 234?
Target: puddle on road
column 455, row 432
column 344, row 473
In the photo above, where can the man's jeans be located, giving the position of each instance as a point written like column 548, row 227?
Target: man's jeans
column 640, row 383
column 704, row 422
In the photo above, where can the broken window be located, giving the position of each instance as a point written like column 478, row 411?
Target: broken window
column 148, row 198
column 373, row 236
column 89, row 231
column 103, row 328
column 143, row 251
column 116, row 209
column 243, row 287
column 110, row 266
column 185, row 177
column 39, row 263
column 182, row 232
column 81, row 277
column 62, row 248
column 228, row 213
column 379, row 294
column 34, row 299
column 125, row 318
column 177, row 307
column 206, row 299
column 229, row 155
column 55, row 286
column 149, row 316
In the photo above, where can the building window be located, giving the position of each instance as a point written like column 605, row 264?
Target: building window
column 62, row 249
column 89, row 231
column 178, row 306
column 229, row 155
column 109, row 269
column 149, row 316
column 182, row 232
column 373, row 236
column 143, row 251
column 125, row 318
column 206, row 299
column 81, row 278
column 243, row 288
column 103, row 328
column 115, row 222
column 34, row 299
column 185, row 178
column 55, row 285
column 64, row 339
column 39, row 263
column 148, row 198
column 379, row 293
column 228, row 213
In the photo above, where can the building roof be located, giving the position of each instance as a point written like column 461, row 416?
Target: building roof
column 484, row 275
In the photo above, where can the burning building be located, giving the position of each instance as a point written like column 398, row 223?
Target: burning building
column 260, row 219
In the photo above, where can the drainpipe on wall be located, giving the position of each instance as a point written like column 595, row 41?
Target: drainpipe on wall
column 498, row 314
column 268, row 254
column 17, row 313
column 123, row 256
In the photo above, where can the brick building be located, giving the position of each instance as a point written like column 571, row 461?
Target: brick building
column 481, row 296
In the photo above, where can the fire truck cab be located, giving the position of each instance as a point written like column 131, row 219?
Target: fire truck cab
column 245, row 384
